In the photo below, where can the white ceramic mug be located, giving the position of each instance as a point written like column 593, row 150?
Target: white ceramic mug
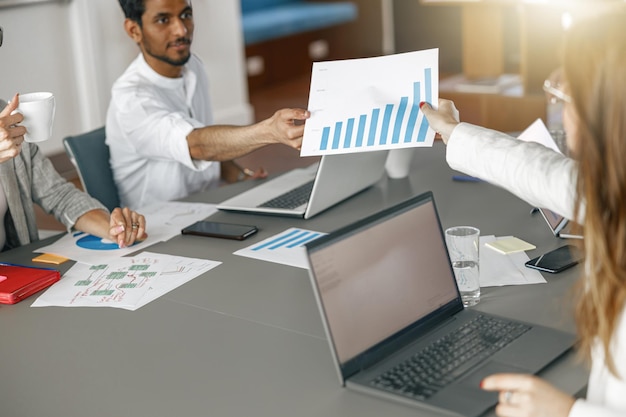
column 398, row 162
column 38, row 110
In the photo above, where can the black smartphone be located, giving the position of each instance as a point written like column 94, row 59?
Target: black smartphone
column 221, row 230
column 556, row 260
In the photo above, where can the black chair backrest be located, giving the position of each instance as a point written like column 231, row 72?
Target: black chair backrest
column 90, row 154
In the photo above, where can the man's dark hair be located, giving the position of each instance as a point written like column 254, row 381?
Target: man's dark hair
column 133, row 9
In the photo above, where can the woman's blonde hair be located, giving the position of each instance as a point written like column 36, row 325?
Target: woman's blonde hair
column 594, row 66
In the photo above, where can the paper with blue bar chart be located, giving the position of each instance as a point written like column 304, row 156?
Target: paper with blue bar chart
column 370, row 104
column 284, row 248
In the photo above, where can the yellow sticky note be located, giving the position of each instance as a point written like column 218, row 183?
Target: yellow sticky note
column 510, row 245
column 49, row 258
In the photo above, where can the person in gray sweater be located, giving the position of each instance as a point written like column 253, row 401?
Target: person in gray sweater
column 27, row 177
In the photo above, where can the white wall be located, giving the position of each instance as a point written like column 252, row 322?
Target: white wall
column 77, row 48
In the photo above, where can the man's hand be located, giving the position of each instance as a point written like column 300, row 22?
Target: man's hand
column 286, row 126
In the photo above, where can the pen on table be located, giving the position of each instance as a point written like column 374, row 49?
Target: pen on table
column 465, row 178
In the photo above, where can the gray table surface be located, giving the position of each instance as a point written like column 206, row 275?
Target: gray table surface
column 246, row 337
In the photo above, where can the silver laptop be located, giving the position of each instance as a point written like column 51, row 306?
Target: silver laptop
column 394, row 318
column 305, row 192
column 559, row 225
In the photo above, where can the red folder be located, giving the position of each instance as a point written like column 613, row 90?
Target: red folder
column 18, row 282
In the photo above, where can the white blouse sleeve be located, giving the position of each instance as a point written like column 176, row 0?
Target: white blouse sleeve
column 536, row 174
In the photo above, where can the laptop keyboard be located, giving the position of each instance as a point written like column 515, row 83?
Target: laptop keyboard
column 446, row 359
column 292, row 198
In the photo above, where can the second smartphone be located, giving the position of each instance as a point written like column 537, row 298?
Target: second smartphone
column 556, row 260
column 221, row 230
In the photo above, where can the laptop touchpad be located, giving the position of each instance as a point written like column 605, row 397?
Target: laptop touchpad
column 469, row 398
column 474, row 378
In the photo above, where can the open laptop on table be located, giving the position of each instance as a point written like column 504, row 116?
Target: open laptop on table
column 559, row 225
column 390, row 306
column 305, row 192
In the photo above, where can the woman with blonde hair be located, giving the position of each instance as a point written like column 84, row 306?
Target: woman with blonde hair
column 594, row 71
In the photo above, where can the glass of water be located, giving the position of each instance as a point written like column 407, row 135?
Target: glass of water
column 463, row 244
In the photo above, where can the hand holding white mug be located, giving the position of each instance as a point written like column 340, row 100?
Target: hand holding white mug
column 38, row 110
column 11, row 133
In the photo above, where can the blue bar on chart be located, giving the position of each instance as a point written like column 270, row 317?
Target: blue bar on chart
column 338, row 127
column 413, row 115
column 348, row 138
column 361, row 130
column 398, row 124
column 371, row 139
column 421, row 136
column 392, row 126
column 385, row 127
column 289, row 240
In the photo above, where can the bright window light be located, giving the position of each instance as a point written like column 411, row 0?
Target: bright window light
column 566, row 20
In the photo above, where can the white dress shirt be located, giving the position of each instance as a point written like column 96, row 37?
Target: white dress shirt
column 148, row 121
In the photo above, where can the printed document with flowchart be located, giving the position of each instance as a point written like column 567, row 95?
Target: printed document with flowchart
column 127, row 283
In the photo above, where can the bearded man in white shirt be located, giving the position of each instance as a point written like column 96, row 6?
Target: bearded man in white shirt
column 159, row 126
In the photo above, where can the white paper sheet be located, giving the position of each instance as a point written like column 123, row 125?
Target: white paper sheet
column 177, row 270
column 538, row 132
column 284, row 248
column 169, row 217
column 497, row 269
column 371, row 104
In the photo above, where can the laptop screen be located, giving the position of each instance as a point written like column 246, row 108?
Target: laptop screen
column 554, row 220
column 383, row 276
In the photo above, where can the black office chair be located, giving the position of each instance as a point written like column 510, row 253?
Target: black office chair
column 90, row 156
